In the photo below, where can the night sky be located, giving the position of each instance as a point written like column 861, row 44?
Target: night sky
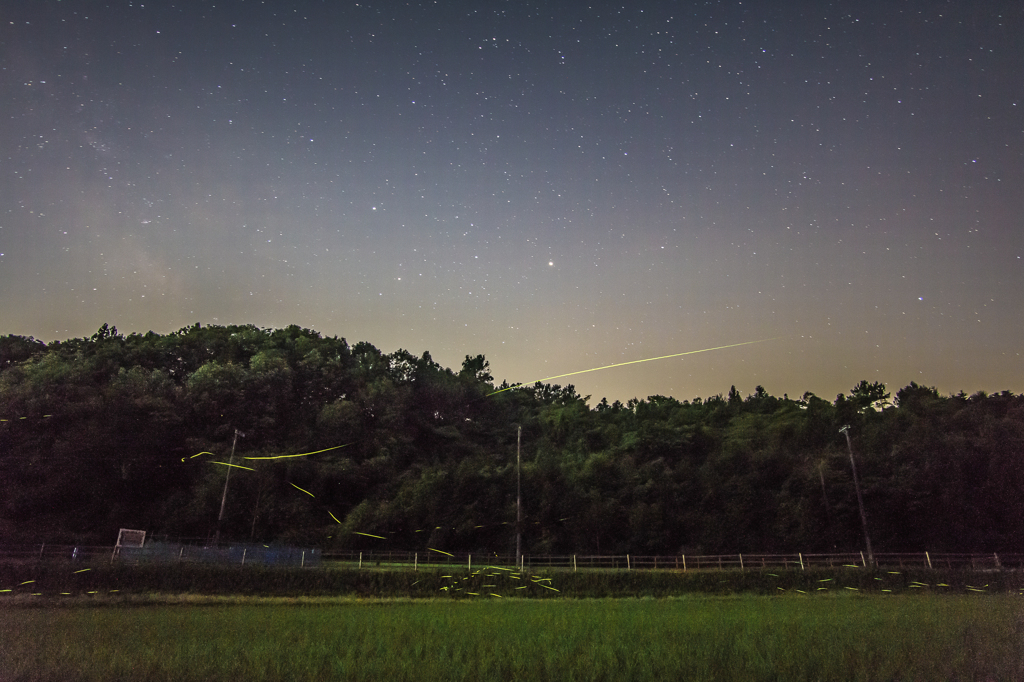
column 556, row 186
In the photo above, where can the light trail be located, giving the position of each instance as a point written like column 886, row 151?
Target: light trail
column 302, row 454
column 236, row 466
column 303, row 490
column 631, row 362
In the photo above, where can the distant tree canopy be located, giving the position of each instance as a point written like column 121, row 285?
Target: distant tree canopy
column 105, row 432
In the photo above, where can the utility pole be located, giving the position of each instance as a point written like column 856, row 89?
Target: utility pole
column 860, row 500
column 224, row 497
column 519, row 501
column 828, row 510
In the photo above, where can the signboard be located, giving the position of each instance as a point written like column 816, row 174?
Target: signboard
column 129, row 538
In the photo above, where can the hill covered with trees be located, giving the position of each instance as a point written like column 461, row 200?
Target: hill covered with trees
column 135, row 431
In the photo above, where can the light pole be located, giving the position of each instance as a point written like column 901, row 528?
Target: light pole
column 519, row 501
column 860, row 500
column 828, row 509
column 224, row 497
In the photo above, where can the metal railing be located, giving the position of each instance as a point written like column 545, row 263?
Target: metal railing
column 170, row 552
column 681, row 562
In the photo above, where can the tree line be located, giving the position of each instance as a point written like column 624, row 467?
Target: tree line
column 106, row 432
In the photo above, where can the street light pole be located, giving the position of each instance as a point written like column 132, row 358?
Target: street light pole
column 519, row 501
column 224, row 497
column 860, row 500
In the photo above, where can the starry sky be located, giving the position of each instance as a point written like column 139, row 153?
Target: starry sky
column 554, row 185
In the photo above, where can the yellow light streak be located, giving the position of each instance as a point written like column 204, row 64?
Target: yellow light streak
column 370, row 535
column 631, row 362
column 302, row 454
column 236, row 466
column 333, row 516
column 440, row 551
column 303, row 490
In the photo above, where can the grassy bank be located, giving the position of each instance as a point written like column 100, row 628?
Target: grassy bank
column 835, row 637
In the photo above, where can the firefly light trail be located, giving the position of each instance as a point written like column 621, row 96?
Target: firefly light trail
column 236, row 466
column 302, row 454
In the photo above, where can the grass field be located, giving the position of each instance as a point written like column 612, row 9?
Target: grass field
column 840, row 637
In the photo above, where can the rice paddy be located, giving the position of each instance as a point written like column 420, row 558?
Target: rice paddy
column 792, row 637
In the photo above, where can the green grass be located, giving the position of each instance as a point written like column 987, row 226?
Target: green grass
column 833, row 637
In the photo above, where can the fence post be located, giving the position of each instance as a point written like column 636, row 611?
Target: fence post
column 469, row 564
column 244, row 550
column 863, row 562
column 573, row 563
column 800, row 555
column 996, row 557
column 627, row 562
column 741, row 562
column 684, row 563
column 303, row 564
column 360, row 560
column 415, row 561
column 928, row 558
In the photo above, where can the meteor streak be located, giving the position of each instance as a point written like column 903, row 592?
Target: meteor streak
column 631, row 362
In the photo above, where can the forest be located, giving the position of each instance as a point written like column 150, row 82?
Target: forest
column 337, row 444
